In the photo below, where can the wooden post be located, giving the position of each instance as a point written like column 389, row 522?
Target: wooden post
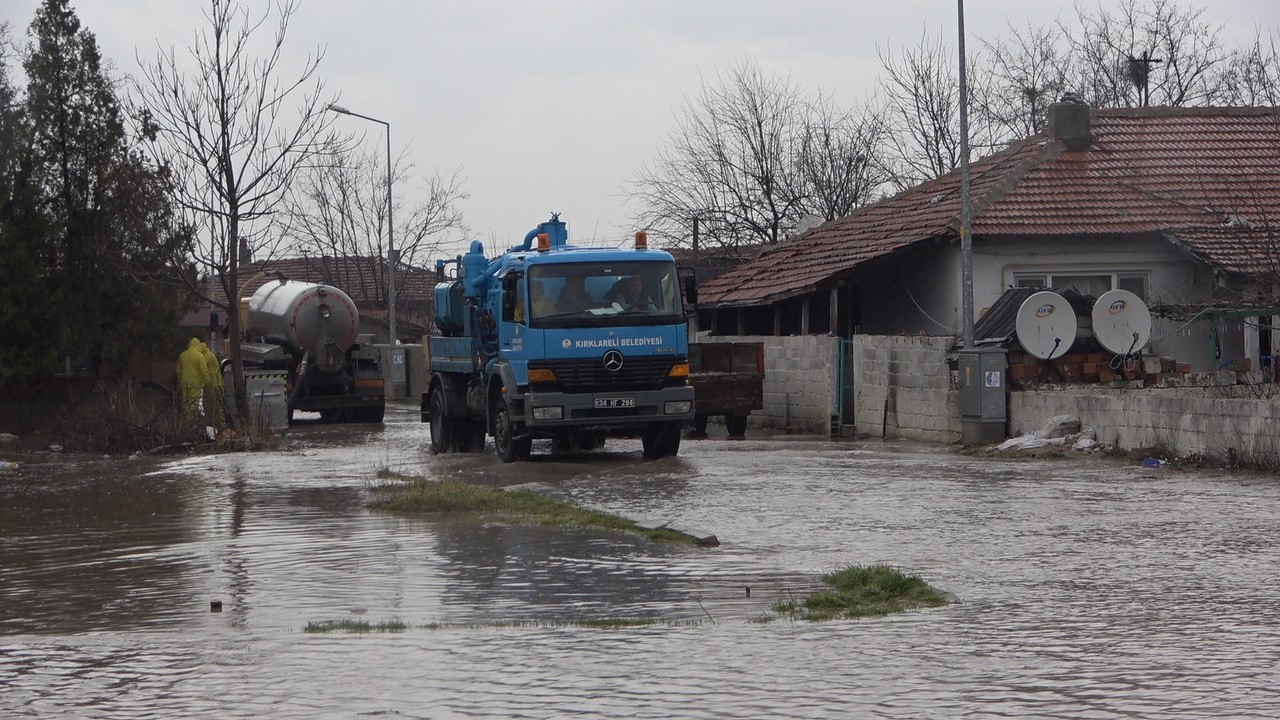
column 833, row 311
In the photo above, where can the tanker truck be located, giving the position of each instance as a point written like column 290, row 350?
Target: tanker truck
column 310, row 331
column 556, row 342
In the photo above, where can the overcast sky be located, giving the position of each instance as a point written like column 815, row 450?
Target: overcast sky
column 552, row 105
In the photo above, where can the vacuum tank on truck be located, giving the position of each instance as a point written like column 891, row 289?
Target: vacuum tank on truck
column 553, row 341
column 310, row 330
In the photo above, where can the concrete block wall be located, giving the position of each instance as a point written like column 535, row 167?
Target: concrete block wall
column 903, row 388
column 1223, row 421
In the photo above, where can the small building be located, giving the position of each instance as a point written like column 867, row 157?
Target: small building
column 1179, row 205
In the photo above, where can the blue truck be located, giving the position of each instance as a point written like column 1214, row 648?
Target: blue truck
column 558, row 342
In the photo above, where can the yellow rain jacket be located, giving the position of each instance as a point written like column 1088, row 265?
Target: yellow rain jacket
column 192, row 370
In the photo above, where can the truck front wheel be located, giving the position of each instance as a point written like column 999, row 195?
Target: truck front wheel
column 509, row 448
column 661, row 439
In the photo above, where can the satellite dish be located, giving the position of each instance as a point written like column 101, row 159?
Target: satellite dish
column 1121, row 322
column 1046, row 325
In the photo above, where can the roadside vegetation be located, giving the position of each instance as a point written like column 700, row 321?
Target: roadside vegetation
column 864, row 591
column 419, row 496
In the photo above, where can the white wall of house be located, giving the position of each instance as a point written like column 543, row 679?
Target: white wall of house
column 1170, row 276
column 914, row 292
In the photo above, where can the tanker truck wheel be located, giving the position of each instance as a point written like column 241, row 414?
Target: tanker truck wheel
column 443, row 432
column 509, row 448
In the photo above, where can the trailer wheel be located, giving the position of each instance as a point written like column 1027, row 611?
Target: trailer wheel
column 736, row 425
column 699, row 429
column 661, row 439
column 443, row 433
column 509, row 448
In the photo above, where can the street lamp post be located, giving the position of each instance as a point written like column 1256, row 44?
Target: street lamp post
column 391, row 243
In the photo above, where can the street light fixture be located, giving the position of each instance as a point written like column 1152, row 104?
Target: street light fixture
column 391, row 243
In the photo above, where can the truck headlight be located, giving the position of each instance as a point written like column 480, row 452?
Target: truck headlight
column 549, row 413
column 678, row 407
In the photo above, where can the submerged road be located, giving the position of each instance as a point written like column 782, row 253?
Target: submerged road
column 1088, row 588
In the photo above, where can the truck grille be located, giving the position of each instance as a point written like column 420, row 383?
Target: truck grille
column 637, row 373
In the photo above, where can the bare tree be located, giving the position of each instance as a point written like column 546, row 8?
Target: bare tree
column 729, row 161
column 1108, row 48
column 922, row 94
column 338, row 208
column 1025, row 72
column 838, row 160
column 1253, row 76
column 227, row 132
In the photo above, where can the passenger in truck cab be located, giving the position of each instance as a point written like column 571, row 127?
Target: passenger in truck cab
column 542, row 305
column 573, row 296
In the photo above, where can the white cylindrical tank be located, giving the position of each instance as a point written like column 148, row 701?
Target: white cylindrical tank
column 317, row 319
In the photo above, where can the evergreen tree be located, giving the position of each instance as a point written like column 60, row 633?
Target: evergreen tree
column 27, row 296
column 108, row 214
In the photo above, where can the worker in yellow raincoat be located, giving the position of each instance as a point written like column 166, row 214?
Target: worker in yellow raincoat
column 191, row 378
column 213, row 387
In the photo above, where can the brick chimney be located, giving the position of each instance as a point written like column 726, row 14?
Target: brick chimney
column 1069, row 122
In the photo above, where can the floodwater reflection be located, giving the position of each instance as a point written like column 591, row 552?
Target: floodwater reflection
column 1088, row 588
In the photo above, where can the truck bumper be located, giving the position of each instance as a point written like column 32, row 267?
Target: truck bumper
column 608, row 411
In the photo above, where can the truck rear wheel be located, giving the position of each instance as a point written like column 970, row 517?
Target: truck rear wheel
column 509, row 448
column 736, row 425
column 443, row 433
column 661, row 439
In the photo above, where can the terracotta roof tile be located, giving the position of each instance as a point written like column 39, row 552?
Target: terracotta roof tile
column 1206, row 178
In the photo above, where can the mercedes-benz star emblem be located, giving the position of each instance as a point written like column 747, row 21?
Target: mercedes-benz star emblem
column 613, row 361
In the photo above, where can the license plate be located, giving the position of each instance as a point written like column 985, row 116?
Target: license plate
column 615, row 402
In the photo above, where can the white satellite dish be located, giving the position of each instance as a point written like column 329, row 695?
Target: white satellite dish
column 1121, row 322
column 1046, row 325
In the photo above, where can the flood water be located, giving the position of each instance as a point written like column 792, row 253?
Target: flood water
column 1088, row 589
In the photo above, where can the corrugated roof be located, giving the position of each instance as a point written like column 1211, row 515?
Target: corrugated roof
column 1207, row 179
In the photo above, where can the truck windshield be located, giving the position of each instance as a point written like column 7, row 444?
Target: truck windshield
column 604, row 294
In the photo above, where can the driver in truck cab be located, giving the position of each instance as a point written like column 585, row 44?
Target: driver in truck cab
column 628, row 292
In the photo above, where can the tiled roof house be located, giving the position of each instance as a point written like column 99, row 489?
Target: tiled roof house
column 1180, row 205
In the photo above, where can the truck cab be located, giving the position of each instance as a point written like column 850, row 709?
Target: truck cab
column 554, row 341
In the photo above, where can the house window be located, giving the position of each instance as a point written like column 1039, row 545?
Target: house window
column 1093, row 284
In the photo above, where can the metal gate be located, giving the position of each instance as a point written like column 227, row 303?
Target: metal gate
column 845, row 375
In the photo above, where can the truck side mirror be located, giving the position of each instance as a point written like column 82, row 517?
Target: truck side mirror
column 689, row 282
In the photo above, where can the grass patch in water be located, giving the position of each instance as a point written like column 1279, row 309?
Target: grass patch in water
column 864, row 591
column 602, row 623
column 347, row 625
column 421, row 496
